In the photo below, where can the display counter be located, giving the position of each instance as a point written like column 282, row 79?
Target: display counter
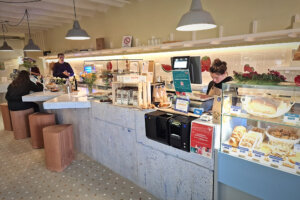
column 260, row 140
column 115, row 137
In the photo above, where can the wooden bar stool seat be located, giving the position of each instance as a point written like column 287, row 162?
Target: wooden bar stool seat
column 6, row 117
column 38, row 121
column 20, row 123
column 59, row 147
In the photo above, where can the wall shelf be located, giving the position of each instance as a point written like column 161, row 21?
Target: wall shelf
column 245, row 39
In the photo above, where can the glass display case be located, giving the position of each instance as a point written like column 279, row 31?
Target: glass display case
column 260, row 123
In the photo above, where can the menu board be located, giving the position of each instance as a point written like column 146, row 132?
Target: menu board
column 201, row 139
column 182, row 82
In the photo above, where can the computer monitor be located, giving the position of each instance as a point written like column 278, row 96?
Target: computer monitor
column 89, row 68
column 192, row 64
column 181, row 63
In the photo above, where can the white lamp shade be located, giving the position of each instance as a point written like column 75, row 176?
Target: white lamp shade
column 31, row 46
column 196, row 19
column 5, row 47
column 76, row 33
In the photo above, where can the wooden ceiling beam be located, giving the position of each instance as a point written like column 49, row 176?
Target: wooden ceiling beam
column 44, row 6
column 44, row 19
column 109, row 2
column 80, row 4
column 34, row 13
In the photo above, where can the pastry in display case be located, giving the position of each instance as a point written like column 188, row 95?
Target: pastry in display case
column 262, row 126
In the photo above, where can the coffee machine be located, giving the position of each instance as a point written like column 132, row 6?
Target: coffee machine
column 157, row 126
column 179, row 131
column 170, row 129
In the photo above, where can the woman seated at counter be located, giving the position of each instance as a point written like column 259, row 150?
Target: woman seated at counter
column 35, row 74
column 19, row 87
column 218, row 72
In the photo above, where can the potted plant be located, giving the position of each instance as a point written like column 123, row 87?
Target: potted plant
column 89, row 79
column 27, row 63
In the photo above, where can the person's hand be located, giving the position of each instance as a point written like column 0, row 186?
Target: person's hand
column 66, row 73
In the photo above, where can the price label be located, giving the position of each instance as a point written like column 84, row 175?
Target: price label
column 235, row 109
column 243, row 150
column 198, row 111
column 297, row 148
column 291, row 118
column 297, row 165
column 258, row 154
column 276, row 160
column 226, row 146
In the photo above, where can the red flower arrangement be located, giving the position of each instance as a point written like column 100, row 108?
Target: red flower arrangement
column 252, row 77
column 297, row 80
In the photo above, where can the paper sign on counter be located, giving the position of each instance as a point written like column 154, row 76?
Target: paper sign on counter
column 201, row 139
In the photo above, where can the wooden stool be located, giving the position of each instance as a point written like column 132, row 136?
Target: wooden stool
column 20, row 123
column 38, row 121
column 6, row 117
column 59, row 147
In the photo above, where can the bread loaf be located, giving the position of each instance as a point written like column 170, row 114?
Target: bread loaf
column 263, row 105
column 237, row 135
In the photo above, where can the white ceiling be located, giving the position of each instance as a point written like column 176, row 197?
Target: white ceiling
column 48, row 14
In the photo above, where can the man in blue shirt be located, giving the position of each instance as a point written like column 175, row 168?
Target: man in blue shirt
column 62, row 69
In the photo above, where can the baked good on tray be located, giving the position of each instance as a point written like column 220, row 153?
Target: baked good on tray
column 237, row 135
column 266, row 106
column 283, row 136
column 295, row 158
column 250, row 139
column 263, row 105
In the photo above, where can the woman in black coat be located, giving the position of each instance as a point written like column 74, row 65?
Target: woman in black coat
column 19, row 87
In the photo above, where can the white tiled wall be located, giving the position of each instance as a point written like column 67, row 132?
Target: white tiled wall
column 261, row 57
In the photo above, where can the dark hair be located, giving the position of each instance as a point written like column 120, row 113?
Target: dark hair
column 35, row 69
column 218, row 67
column 22, row 77
column 60, row 54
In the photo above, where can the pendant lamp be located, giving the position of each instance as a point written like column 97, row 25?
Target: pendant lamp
column 30, row 46
column 5, row 46
column 196, row 19
column 76, row 33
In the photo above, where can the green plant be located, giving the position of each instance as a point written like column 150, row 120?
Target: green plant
column 60, row 81
column 255, row 78
column 89, row 78
column 28, row 63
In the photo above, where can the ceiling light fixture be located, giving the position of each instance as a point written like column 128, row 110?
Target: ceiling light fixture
column 30, row 46
column 5, row 46
column 196, row 19
column 76, row 33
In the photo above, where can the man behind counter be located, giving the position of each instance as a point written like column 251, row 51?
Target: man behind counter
column 62, row 69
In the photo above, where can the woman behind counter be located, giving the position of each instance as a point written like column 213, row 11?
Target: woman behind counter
column 19, row 87
column 218, row 72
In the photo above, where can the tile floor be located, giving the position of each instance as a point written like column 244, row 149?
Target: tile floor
column 23, row 176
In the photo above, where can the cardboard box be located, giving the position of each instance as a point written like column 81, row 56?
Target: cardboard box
column 100, row 43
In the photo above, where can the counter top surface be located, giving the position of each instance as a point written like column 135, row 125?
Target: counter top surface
column 73, row 100
column 41, row 96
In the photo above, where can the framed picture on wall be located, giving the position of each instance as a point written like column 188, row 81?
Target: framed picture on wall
column 127, row 41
